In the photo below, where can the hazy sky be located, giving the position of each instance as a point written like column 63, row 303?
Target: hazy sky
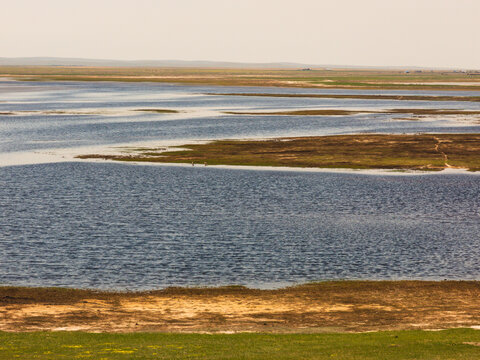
column 343, row 32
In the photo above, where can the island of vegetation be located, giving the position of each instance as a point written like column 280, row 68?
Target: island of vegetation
column 364, row 151
column 162, row 111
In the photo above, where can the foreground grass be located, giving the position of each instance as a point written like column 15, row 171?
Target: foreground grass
column 415, row 152
column 448, row 344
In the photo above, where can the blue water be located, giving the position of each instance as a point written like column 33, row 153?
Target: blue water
column 110, row 118
column 116, row 226
column 120, row 226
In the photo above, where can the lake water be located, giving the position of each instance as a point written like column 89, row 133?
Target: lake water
column 116, row 226
column 109, row 117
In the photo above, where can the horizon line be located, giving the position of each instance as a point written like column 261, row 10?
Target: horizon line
column 57, row 61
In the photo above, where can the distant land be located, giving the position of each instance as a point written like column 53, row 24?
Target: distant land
column 59, row 61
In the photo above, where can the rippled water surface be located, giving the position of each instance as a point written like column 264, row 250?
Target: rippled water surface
column 118, row 226
column 137, row 227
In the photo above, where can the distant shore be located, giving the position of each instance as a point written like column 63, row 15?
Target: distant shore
column 332, row 306
column 292, row 78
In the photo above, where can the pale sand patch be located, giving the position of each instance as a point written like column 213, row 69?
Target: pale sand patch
column 226, row 306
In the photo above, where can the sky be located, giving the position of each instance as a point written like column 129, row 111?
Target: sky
column 427, row 33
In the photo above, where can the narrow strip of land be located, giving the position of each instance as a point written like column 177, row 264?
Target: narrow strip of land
column 361, row 96
column 160, row 111
column 338, row 306
column 293, row 78
column 84, row 112
column 366, row 151
column 330, row 112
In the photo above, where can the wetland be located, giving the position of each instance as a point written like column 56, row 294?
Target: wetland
column 127, row 230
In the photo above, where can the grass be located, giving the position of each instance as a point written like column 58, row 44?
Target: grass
column 323, row 78
column 441, row 345
column 416, row 152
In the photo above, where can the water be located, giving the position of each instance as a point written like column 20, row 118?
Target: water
column 116, row 226
column 120, row 226
column 109, row 118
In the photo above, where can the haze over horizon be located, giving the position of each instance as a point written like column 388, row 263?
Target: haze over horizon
column 423, row 33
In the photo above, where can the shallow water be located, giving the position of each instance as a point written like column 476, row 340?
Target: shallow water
column 109, row 118
column 121, row 226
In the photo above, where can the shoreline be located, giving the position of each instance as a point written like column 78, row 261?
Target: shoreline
column 329, row 306
column 320, row 78
column 370, row 172
column 46, row 158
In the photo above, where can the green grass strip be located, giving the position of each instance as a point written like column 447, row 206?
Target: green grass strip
column 447, row 344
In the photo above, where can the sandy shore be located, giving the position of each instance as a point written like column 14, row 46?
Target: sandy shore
column 330, row 306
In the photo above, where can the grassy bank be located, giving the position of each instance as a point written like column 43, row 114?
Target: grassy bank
column 415, row 152
column 442, row 345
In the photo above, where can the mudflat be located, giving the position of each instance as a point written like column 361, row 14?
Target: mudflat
column 333, row 306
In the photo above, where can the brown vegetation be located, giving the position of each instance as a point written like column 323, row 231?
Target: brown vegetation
column 326, row 306
column 159, row 111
